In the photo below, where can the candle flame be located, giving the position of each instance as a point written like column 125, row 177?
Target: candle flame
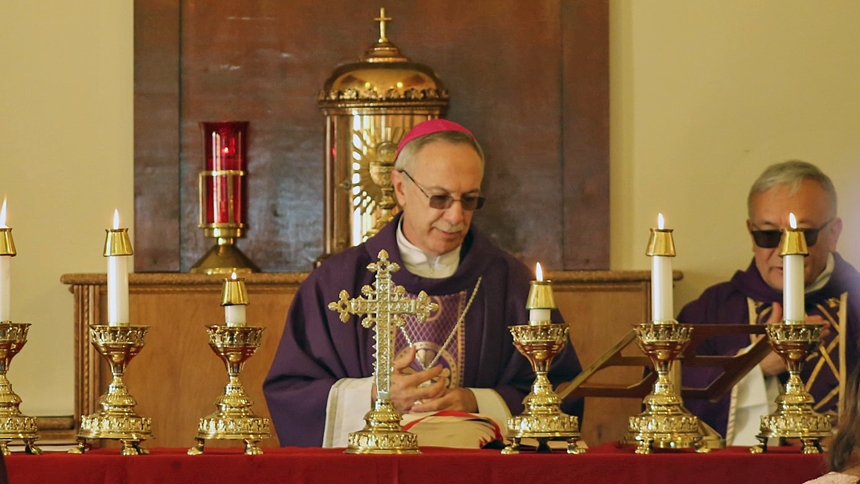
column 3, row 213
column 233, row 275
column 116, row 218
column 660, row 221
column 538, row 272
column 792, row 220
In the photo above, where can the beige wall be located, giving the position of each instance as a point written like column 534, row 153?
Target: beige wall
column 66, row 132
column 705, row 94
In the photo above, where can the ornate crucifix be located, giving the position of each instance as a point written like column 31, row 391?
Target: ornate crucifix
column 383, row 310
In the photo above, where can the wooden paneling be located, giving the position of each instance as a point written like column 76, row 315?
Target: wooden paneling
column 176, row 377
column 585, row 134
column 156, row 134
column 529, row 78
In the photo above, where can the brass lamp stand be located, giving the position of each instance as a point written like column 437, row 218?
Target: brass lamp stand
column 222, row 191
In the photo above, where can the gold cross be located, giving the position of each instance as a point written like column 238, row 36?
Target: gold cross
column 383, row 310
column 382, row 19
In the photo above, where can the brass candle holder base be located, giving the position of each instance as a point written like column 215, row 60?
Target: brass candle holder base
column 542, row 418
column 234, row 420
column 13, row 424
column 382, row 433
column 665, row 423
column 117, row 418
column 794, row 417
column 224, row 258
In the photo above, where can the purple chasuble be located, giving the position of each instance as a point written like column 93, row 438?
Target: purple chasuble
column 731, row 303
column 317, row 349
column 438, row 340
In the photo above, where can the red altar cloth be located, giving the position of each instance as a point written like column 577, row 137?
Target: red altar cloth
column 608, row 463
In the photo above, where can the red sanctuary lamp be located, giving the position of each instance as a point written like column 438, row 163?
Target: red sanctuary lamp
column 223, row 198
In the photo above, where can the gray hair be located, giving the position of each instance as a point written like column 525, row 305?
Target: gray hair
column 407, row 155
column 792, row 173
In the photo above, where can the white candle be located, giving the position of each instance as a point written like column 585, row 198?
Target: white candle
column 539, row 314
column 234, row 314
column 5, row 275
column 5, row 288
column 792, row 282
column 661, row 284
column 117, row 286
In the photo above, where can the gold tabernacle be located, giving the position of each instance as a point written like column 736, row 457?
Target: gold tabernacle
column 369, row 105
column 383, row 310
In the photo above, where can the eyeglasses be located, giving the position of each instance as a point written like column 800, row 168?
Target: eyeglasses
column 441, row 202
column 769, row 239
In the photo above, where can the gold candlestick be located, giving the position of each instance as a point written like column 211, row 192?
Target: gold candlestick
column 118, row 344
column 234, row 343
column 13, row 337
column 13, row 424
column 665, row 423
column 793, row 340
column 539, row 341
column 117, row 418
column 384, row 308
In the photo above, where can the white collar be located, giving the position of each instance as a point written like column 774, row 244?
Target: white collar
column 824, row 277
column 424, row 265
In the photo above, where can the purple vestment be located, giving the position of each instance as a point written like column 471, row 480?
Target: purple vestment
column 728, row 303
column 317, row 349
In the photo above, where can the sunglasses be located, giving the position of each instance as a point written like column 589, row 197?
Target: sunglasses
column 769, row 239
column 441, row 202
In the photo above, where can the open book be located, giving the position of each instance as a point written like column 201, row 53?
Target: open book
column 454, row 429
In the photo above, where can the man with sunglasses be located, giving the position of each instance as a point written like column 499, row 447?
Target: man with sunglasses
column 462, row 360
column 754, row 296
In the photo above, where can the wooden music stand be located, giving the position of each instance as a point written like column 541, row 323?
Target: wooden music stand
column 734, row 367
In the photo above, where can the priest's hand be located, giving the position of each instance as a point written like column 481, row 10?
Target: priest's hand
column 407, row 389
column 461, row 399
column 773, row 364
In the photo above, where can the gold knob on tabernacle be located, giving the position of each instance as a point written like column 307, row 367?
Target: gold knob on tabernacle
column 7, row 245
column 540, row 296
column 117, row 242
column 793, row 243
column 234, row 293
column 661, row 243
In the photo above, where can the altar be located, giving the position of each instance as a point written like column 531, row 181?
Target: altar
column 608, row 463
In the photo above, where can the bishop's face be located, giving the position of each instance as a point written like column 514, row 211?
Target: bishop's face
column 439, row 168
column 770, row 209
